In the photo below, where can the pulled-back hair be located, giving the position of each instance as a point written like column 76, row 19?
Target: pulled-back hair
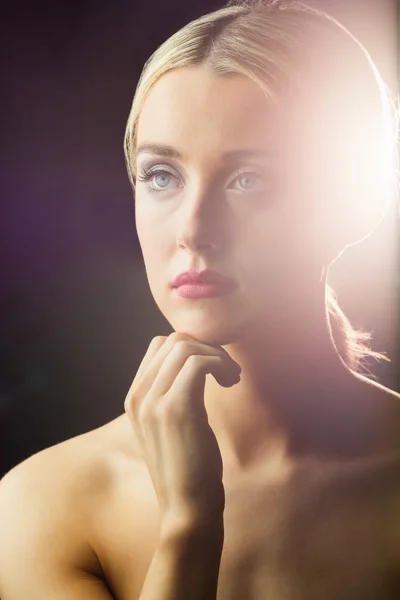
column 271, row 42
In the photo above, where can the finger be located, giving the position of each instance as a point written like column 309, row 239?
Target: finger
column 177, row 358
column 151, row 367
column 189, row 385
column 155, row 344
column 176, row 342
column 173, row 364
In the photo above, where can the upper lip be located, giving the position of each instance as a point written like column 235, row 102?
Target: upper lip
column 205, row 276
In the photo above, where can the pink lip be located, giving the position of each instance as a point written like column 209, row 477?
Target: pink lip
column 207, row 277
column 204, row 290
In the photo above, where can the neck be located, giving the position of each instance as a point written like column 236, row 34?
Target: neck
column 291, row 384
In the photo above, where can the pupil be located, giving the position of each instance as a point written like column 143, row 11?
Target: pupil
column 246, row 178
column 162, row 177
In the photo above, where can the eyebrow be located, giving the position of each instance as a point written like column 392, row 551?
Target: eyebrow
column 168, row 151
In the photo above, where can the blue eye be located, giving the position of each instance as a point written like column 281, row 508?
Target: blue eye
column 244, row 178
column 160, row 177
column 157, row 180
column 248, row 181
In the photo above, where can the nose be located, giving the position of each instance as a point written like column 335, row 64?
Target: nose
column 200, row 228
column 194, row 240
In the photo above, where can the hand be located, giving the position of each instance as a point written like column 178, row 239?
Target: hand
column 165, row 406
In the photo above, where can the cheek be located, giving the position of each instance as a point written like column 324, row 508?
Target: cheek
column 287, row 244
column 149, row 229
column 267, row 250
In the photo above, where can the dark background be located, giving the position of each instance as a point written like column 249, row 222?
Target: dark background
column 76, row 313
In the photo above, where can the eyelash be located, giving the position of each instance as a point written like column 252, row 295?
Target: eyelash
column 146, row 174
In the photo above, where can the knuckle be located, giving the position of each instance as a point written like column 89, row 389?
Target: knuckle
column 181, row 348
column 132, row 406
column 129, row 403
column 177, row 336
column 195, row 361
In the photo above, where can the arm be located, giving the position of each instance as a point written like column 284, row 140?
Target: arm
column 186, row 564
column 165, row 406
column 43, row 555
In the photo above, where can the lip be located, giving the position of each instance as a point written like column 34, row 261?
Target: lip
column 204, row 290
column 207, row 276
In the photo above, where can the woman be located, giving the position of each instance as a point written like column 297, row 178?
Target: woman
column 249, row 149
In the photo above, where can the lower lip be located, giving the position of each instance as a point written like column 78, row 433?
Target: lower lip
column 204, row 290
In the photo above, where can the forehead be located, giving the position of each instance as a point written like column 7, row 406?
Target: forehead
column 192, row 105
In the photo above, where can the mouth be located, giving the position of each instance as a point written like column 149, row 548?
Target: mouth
column 204, row 289
column 205, row 277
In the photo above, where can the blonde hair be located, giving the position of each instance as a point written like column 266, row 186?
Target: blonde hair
column 262, row 40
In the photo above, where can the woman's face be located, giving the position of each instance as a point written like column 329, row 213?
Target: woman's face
column 231, row 198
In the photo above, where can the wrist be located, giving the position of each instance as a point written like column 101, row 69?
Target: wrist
column 176, row 528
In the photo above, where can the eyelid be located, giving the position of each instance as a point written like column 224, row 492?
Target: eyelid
column 154, row 167
column 157, row 166
column 244, row 170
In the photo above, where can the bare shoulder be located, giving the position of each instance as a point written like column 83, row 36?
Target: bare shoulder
column 47, row 503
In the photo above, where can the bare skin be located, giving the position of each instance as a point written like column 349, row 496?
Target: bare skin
column 310, row 450
column 325, row 529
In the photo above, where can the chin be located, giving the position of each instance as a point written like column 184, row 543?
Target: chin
column 209, row 329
